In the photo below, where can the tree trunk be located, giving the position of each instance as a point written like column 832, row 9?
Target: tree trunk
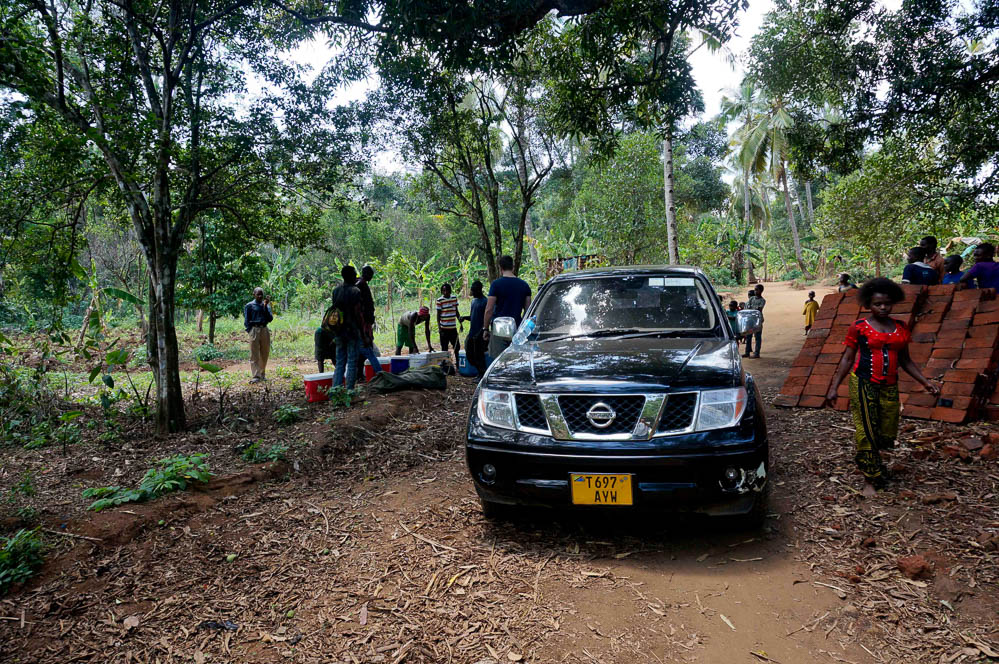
column 808, row 199
column 201, row 320
column 877, row 260
column 673, row 254
column 161, row 344
column 539, row 274
column 212, row 317
column 791, row 221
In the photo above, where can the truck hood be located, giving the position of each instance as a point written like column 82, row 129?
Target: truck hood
column 617, row 365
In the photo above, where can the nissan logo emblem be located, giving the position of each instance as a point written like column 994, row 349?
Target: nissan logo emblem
column 601, row 415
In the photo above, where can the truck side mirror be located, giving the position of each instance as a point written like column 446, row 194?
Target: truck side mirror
column 503, row 328
column 748, row 321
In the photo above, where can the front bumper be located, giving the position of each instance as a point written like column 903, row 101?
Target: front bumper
column 688, row 478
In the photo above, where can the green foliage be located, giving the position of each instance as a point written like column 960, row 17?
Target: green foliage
column 25, row 486
column 20, row 557
column 932, row 65
column 288, row 414
column 207, row 353
column 257, row 454
column 871, row 209
column 170, row 474
column 341, row 397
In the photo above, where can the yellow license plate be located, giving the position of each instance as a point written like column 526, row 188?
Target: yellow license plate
column 591, row 489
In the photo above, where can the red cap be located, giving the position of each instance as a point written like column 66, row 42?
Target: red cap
column 424, row 311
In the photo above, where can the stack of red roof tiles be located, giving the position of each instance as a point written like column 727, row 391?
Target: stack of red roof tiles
column 955, row 339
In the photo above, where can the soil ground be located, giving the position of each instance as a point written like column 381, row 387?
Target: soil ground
column 368, row 545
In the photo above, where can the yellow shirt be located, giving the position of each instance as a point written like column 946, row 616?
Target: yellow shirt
column 811, row 308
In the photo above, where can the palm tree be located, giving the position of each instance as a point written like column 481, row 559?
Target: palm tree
column 764, row 147
column 757, row 219
column 743, row 104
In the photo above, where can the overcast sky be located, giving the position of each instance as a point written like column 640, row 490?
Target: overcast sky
column 713, row 73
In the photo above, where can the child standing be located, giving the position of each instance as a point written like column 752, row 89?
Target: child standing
column 733, row 309
column 811, row 308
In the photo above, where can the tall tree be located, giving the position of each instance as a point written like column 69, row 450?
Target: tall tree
column 743, row 105
column 765, row 146
column 921, row 71
column 150, row 88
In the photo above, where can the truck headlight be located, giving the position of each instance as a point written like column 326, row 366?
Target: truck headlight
column 496, row 409
column 721, row 408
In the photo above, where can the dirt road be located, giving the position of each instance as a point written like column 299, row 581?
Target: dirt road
column 371, row 548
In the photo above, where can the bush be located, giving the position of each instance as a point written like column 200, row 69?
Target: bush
column 207, row 353
column 287, row 414
column 720, row 276
column 256, row 454
column 20, row 557
column 171, row 474
column 341, row 397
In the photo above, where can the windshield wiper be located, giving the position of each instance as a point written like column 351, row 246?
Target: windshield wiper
column 671, row 334
column 595, row 334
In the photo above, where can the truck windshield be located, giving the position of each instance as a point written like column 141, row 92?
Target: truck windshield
column 629, row 304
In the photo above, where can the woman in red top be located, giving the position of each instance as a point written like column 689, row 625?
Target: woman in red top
column 876, row 348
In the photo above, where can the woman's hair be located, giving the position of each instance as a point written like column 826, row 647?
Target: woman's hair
column 880, row 285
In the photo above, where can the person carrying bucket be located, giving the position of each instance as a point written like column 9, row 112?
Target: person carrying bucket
column 405, row 331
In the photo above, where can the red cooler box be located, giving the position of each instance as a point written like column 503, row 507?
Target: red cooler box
column 317, row 386
column 369, row 371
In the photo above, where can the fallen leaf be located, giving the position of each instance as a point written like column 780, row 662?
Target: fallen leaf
column 199, row 657
column 364, row 614
column 701, row 558
column 514, row 656
column 726, row 621
column 131, row 622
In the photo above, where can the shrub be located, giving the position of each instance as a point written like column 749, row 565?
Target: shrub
column 257, row 454
column 341, row 397
column 170, row 474
column 207, row 353
column 720, row 276
column 20, row 556
column 288, row 414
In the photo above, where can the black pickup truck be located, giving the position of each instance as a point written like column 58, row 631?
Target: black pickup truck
column 622, row 389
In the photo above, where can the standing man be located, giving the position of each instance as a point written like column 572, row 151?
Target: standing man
column 347, row 299
column 509, row 296
column 933, row 257
column 757, row 302
column 985, row 271
column 918, row 272
column 448, row 320
column 256, row 315
column 475, row 345
column 368, row 318
column 405, row 331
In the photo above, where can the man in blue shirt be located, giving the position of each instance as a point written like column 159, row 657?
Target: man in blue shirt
column 256, row 315
column 475, row 346
column 509, row 296
column 347, row 298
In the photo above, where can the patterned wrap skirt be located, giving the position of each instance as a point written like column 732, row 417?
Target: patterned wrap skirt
column 875, row 410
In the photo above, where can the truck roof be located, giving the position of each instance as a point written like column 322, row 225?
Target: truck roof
column 623, row 270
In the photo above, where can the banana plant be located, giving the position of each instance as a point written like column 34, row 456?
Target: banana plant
column 467, row 266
